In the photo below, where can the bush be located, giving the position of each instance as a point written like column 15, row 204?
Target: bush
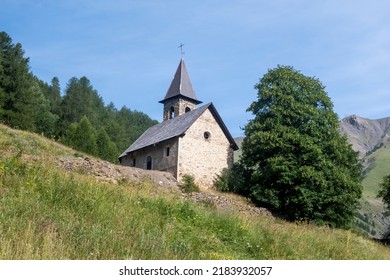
column 188, row 184
column 221, row 183
column 232, row 180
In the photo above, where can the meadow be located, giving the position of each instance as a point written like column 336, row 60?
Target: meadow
column 48, row 213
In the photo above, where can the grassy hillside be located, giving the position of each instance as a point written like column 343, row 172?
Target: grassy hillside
column 48, row 213
column 379, row 167
column 373, row 210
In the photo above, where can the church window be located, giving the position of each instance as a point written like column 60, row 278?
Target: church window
column 171, row 112
column 187, row 109
column 206, row 135
column 149, row 163
column 167, row 151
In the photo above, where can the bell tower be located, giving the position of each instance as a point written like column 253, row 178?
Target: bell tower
column 180, row 97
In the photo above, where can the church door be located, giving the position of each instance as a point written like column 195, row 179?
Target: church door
column 149, row 163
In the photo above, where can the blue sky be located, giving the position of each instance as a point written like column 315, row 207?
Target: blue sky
column 129, row 49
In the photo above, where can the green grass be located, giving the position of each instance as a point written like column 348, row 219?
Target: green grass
column 29, row 144
column 380, row 168
column 371, row 206
column 46, row 213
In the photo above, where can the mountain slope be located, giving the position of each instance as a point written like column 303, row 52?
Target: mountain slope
column 55, row 207
column 365, row 135
column 371, row 139
column 373, row 208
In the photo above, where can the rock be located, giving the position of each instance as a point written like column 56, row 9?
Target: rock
column 363, row 134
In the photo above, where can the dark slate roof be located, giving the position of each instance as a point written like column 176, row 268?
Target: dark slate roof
column 181, row 85
column 176, row 127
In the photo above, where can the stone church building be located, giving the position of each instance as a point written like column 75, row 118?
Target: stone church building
column 191, row 140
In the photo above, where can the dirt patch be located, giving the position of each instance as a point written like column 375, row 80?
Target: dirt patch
column 106, row 171
column 225, row 203
column 112, row 173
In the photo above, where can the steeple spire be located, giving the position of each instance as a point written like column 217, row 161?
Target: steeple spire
column 180, row 97
column 181, row 85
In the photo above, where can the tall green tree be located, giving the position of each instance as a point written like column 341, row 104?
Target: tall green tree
column 106, row 148
column 298, row 163
column 82, row 136
column 16, row 91
column 131, row 125
column 80, row 99
column 53, row 95
column 26, row 102
column 45, row 121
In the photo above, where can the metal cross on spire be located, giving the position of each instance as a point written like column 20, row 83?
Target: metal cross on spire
column 181, row 49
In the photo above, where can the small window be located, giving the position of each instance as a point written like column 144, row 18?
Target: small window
column 134, row 161
column 187, row 109
column 167, row 151
column 206, row 135
column 171, row 112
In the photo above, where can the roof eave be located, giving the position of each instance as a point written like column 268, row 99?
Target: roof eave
column 154, row 144
column 225, row 130
column 196, row 101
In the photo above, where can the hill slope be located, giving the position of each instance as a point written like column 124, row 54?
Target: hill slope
column 56, row 205
column 373, row 209
column 371, row 139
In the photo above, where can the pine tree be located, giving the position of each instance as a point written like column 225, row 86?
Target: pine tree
column 44, row 120
column 16, row 91
column 81, row 100
column 53, row 95
column 106, row 148
column 26, row 102
column 82, row 137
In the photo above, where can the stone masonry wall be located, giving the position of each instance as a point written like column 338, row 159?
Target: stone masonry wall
column 204, row 158
column 160, row 160
column 179, row 107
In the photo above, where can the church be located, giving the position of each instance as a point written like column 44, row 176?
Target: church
column 191, row 140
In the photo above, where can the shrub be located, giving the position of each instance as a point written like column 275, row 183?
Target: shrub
column 221, row 182
column 232, row 180
column 188, row 184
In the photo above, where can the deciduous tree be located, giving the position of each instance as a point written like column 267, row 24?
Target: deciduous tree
column 299, row 164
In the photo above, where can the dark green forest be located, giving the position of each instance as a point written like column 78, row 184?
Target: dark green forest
column 77, row 117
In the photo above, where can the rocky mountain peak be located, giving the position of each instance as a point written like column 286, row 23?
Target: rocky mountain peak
column 365, row 135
